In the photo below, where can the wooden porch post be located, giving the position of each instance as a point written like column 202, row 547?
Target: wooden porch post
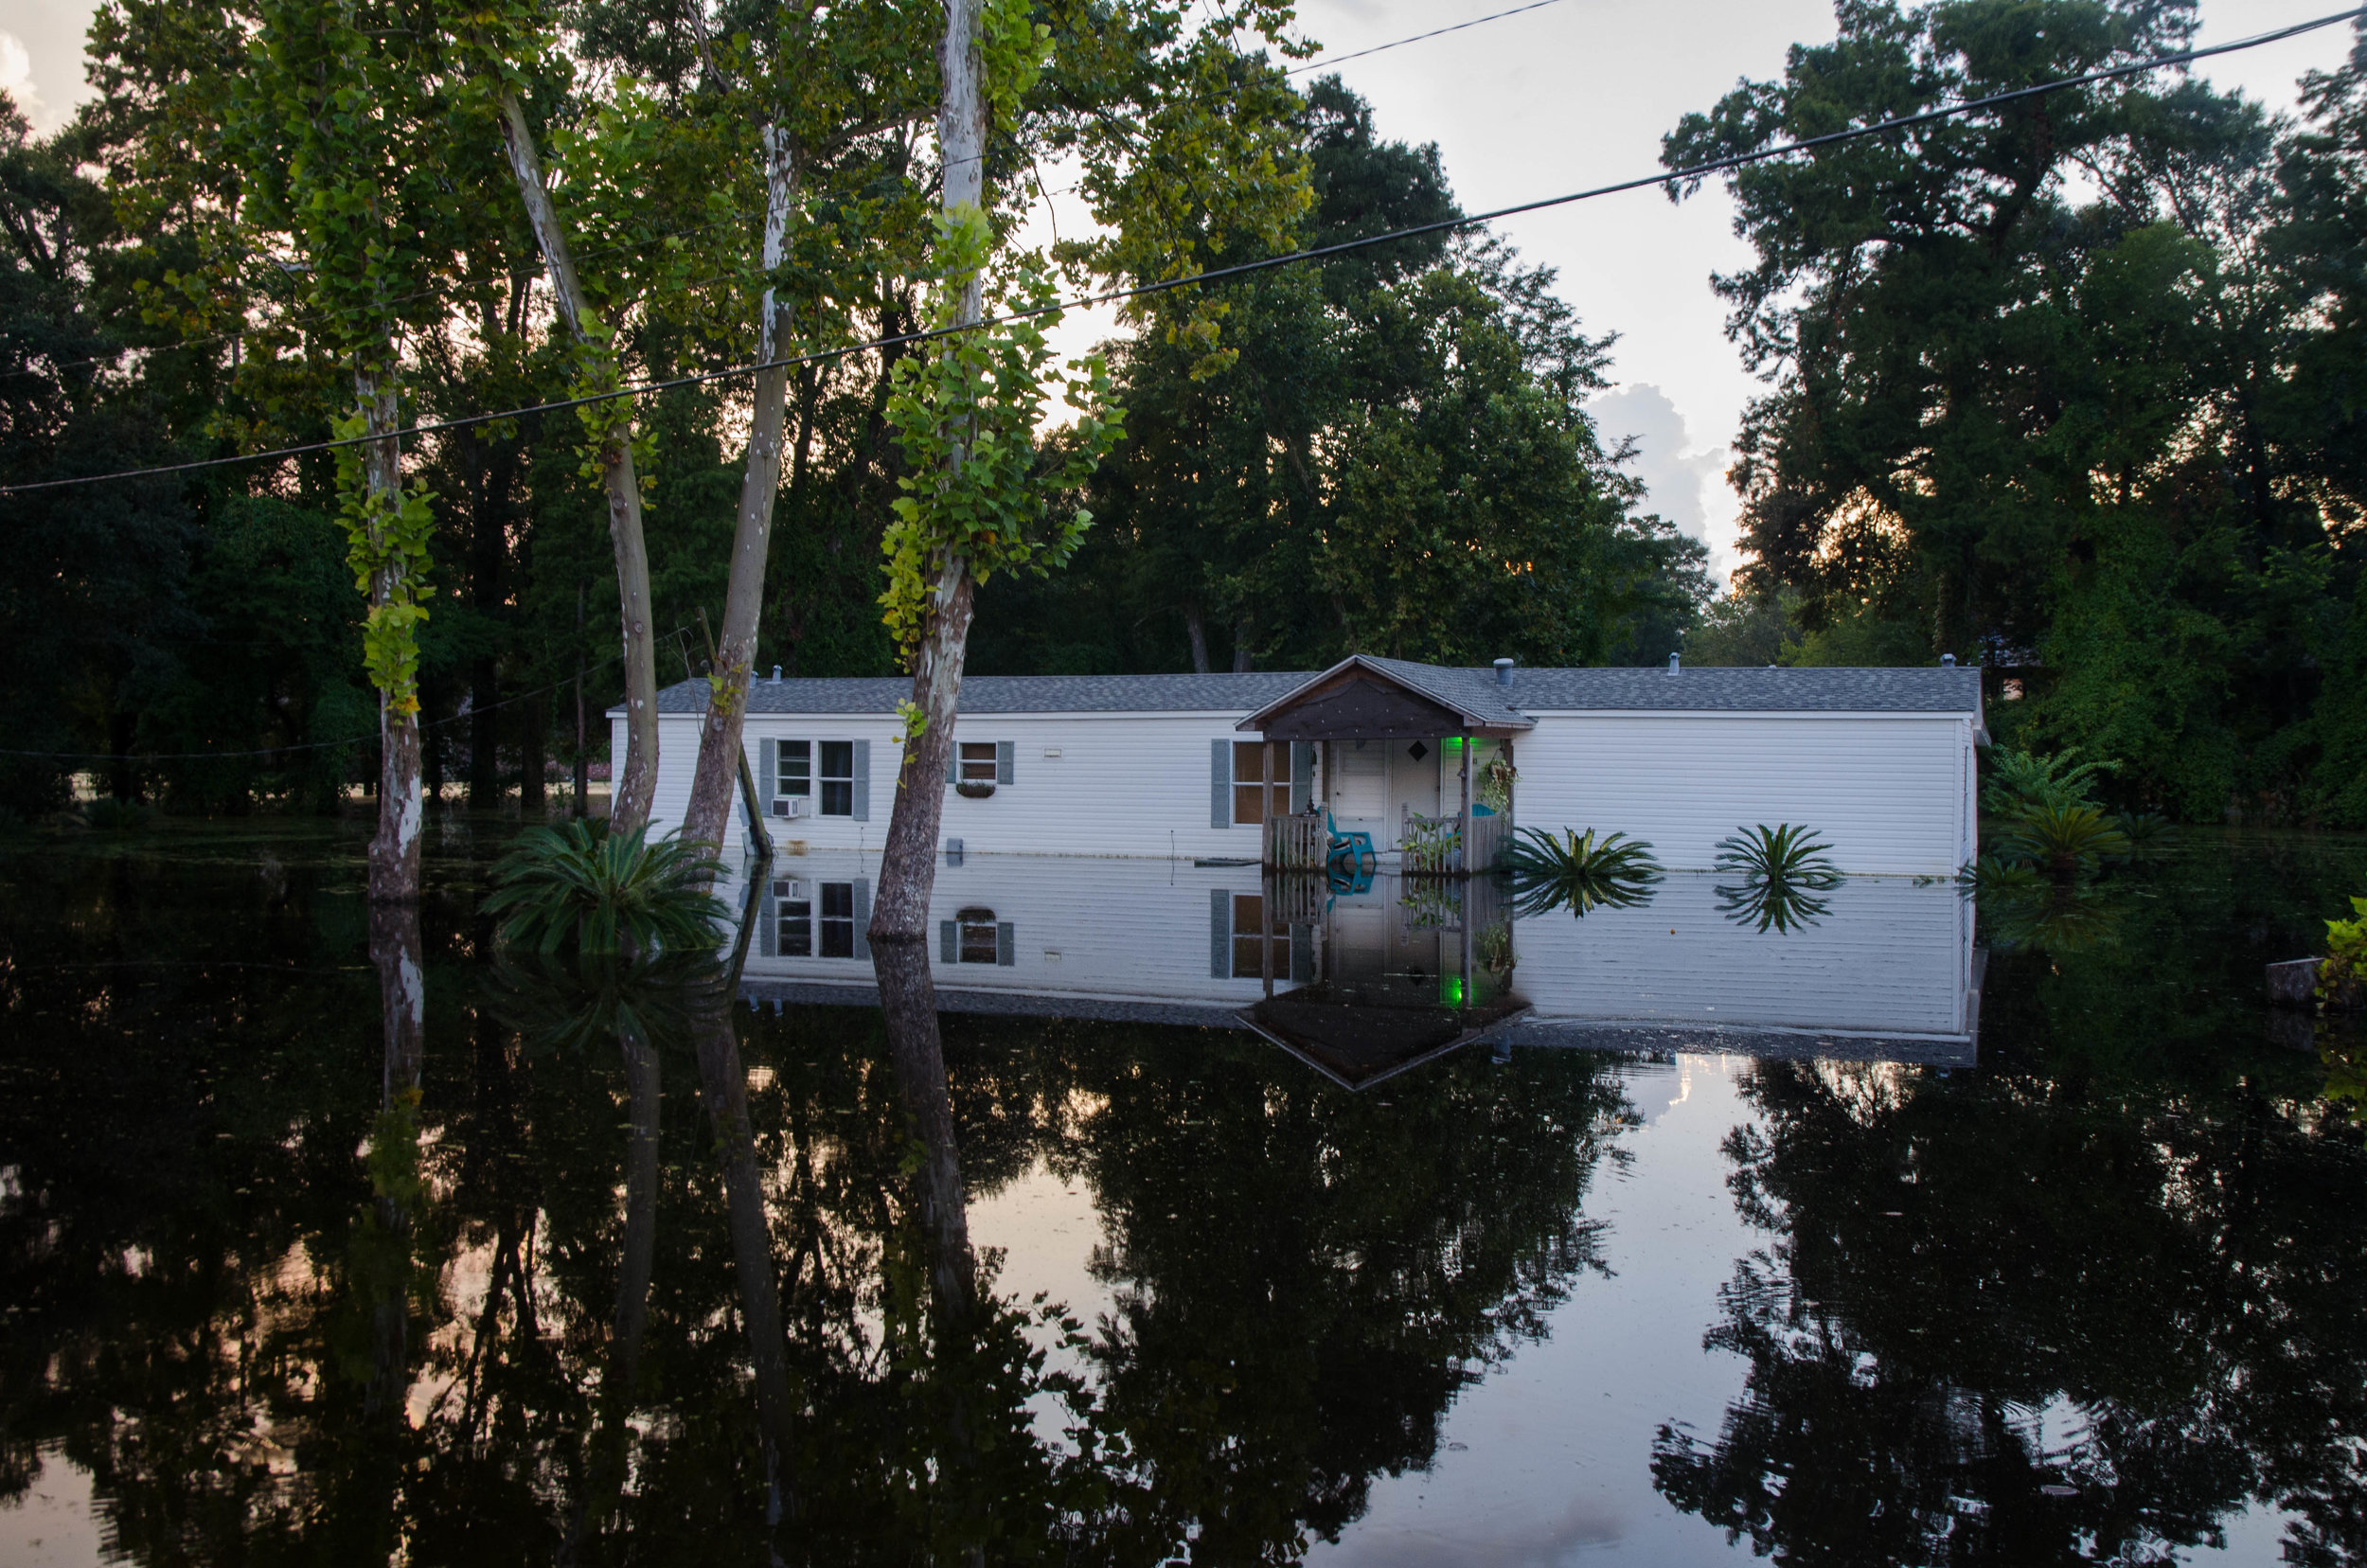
column 1463, row 835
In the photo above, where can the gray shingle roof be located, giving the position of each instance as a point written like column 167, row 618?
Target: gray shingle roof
column 1226, row 693
column 1927, row 689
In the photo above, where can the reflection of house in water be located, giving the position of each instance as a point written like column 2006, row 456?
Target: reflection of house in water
column 1366, row 978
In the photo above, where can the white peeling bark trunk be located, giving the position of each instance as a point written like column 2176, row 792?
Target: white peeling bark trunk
column 401, row 800
column 634, row 786
column 721, row 735
column 908, row 865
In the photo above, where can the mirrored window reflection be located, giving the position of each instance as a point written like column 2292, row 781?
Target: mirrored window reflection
column 804, row 931
column 838, row 914
column 975, row 933
column 1255, row 940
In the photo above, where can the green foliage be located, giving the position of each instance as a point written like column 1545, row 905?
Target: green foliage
column 978, row 486
column 2344, row 973
column 1745, row 628
column 604, row 893
column 1580, row 870
column 1781, row 870
column 2067, row 385
column 386, row 539
column 2019, row 780
column 2066, row 840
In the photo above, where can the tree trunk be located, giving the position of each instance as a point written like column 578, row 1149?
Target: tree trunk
column 533, row 739
column 1195, row 628
column 582, row 807
column 720, row 756
column 1243, row 658
column 908, row 862
column 633, row 780
column 723, row 1084
column 402, row 812
column 396, row 953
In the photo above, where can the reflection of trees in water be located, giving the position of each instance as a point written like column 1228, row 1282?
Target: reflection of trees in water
column 2173, row 1280
column 535, row 1324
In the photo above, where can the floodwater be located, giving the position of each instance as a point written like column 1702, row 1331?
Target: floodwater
column 1166, row 1214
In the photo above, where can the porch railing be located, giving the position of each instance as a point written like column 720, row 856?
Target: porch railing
column 1296, row 843
column 1442, row 846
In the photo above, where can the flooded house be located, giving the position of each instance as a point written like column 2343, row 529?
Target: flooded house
column 1434, row 765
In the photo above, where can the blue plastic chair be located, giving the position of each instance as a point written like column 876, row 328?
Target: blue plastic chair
column 1359, row 845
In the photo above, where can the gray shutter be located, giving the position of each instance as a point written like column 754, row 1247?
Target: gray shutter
column 1302, row 776
column 1302, row 954
column 768, row 922
column 1220, row 931
column 949, row 942
column 1004, row 753
column 1220, row 783
column 1005, row 944
column 952, row 762
column 768, row 775
column 863, row 917
column 862, row 781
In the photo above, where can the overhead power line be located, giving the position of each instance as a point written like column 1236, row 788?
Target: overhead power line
column 1244, row 269
column 1329, row 61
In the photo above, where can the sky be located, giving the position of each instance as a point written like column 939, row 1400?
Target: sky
column 1575, row 94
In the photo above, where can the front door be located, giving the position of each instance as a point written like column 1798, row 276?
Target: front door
column 1360, row 787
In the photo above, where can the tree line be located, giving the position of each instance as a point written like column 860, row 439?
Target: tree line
column 2066, row 387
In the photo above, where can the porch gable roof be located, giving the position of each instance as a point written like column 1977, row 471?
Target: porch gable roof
column 1461, row 700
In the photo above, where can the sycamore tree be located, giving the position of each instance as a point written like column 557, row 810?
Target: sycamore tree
column 1187, row 153
column 340, row 121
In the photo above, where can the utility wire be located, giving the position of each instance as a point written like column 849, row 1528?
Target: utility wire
column 323, row 745
column 1668, row 179
column 1329, row 61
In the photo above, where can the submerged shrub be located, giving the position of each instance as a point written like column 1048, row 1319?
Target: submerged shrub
column 1781, row 868
column 2020, row 780
column 608, row 894
column 1550, row 870
column 2066, row 840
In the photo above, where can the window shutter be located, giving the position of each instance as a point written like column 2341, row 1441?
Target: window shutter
column 949, row 943
column 1005, row 944
column 768, row 923
column 1219, row 930
column 1220, row 783
column 863, row 917
column 768, row 773
column 952, row 762
column 1302, row 776
column 862, row 781
column 1302, row 954
column 1006, row 752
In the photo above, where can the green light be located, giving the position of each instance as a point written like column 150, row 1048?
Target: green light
column 1451, row 990
column 1455, row 742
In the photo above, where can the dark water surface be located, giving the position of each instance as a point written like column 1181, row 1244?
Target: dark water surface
column 603, row 1267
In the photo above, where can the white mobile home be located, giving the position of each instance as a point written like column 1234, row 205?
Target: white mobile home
column 1877, row 761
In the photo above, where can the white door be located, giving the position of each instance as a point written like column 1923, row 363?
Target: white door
column 1360, row 783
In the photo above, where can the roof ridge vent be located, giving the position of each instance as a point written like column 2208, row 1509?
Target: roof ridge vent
column 1672, row 664
column 1504, row 672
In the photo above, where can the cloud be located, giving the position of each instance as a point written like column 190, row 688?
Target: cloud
column 16, row 79
column 1684, row 485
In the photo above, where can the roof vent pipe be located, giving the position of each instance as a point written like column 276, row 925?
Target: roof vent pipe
column 1672, row 664
column 1947, row 661
column 1504, row 672
column 777, row 672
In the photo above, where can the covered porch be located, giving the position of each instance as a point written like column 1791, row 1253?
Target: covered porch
column 1417, row 760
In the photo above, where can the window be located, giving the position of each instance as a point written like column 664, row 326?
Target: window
column 838, row 778
column 799, row 934
column 977, row 762
column 1261, row 780
column 1255, row 939
column 796, row 770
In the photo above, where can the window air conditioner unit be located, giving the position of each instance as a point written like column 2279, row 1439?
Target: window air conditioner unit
column 793, row 806
column 793, row 889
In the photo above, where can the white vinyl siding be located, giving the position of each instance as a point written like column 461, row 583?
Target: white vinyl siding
column 1887, row 790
